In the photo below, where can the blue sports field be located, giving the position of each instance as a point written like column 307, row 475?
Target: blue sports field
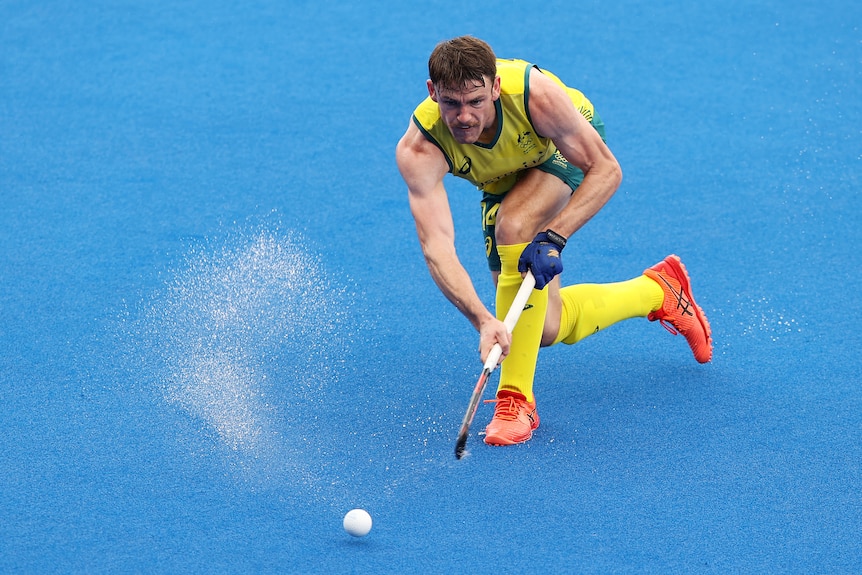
column 218, row 333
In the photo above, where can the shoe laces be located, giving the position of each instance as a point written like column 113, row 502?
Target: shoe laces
column 684, row 305
column 507, row 407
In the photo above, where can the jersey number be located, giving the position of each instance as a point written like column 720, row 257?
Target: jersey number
column 489, row 215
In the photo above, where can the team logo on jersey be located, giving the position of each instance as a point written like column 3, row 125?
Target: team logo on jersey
column 465, row 166
column 525, row 141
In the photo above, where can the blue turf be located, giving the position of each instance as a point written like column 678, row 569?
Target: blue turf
column 218, row 334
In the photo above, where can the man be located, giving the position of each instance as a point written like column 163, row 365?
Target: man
column 536, row 149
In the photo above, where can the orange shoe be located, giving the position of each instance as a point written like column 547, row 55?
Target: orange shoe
column 679, row 313
column 514, row 419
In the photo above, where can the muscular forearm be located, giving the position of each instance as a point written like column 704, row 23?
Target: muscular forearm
column 594, row 192
column 454, row 282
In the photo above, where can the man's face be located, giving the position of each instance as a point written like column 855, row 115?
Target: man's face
column 469, row 113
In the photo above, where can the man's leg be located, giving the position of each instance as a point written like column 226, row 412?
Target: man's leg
column 589, row 308
column 529, row 205
column 519, row 367
column 662, row 293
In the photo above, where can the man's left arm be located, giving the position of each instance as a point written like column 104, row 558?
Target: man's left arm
column 554, row 116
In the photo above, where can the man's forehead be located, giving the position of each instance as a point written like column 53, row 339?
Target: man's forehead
column 469, row 88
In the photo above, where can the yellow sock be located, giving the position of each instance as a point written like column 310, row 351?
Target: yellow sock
column 590, row 308
column 519, row 368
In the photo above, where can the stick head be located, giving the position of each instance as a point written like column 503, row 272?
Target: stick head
column 461, row 446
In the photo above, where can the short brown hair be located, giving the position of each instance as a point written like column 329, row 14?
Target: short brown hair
column 455, row 63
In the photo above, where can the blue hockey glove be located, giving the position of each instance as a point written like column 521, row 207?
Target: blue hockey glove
column 542, row 256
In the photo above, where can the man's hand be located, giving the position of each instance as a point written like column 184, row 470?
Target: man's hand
column 542, row 257
column 491, row 332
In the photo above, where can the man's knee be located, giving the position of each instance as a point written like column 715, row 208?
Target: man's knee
column 529, row 206
column 512, row 229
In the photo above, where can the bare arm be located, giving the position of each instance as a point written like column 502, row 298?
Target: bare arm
column 423, row 167
column 555, row 117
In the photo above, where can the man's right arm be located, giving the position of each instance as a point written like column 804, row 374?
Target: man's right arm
column 423, row 167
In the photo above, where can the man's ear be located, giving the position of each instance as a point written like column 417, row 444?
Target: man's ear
column 431, row 91
column 495, row 90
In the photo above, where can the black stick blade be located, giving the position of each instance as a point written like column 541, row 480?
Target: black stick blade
column 461, row 445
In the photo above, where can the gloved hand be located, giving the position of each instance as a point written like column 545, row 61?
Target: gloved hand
column 542, row 256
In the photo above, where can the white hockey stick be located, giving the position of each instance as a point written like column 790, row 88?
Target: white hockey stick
column 493, row 359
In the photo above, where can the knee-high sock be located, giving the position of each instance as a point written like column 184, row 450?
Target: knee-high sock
column 519, row 367
column 590, row 308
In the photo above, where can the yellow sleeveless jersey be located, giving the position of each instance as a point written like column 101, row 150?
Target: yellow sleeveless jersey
column 493, row 167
